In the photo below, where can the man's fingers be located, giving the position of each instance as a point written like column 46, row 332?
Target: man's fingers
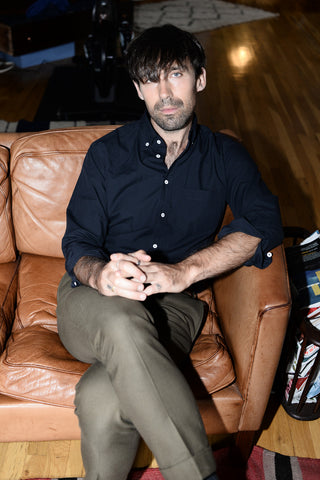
column 135, row 257
column 123, row 287
column 152, row 289
column 128, row 284
column 127, row 269
column 141, row 256
column 125, row 290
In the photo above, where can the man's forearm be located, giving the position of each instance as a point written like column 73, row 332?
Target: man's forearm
column 224, row 255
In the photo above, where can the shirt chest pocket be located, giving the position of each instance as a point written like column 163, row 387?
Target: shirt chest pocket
column 195, row 210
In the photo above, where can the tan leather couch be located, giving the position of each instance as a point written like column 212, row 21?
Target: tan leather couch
column 235, row 361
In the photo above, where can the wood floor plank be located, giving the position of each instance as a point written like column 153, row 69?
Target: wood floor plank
column 277, row 437
column 12, row 457
column 314, row 429
column 74, row 466
column 300, row 432
column 291, row 437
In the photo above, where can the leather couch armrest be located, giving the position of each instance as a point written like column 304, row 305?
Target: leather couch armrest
column 253, row 306
column 8, row 296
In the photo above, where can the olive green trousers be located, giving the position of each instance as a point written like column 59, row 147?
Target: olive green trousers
column 134, row 387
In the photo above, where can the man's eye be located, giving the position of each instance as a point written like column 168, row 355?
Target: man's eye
column 176, row 74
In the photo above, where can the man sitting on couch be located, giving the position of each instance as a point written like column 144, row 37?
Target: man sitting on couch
column 141, row 227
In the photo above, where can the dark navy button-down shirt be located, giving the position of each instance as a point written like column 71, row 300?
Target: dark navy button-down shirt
column 127, row 199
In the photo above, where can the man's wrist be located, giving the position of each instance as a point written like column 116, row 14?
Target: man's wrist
column 95, row 275
column 189, row 271
column 88, row 270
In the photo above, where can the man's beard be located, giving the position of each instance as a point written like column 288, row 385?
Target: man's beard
column 177, row 120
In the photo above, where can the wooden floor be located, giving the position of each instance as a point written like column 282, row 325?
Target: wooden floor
column 289, row 436
column 263, row 82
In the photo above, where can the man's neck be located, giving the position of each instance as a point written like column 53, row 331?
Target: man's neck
column 176, row 141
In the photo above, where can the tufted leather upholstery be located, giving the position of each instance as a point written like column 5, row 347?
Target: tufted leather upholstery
column 232, row 363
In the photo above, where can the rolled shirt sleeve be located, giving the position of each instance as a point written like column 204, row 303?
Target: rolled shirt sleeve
column 256, row 211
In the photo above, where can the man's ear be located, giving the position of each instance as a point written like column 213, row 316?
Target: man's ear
column 138, row 90
column 201, row 80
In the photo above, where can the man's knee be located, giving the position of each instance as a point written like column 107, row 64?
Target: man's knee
column 117, row 328
column 95, row 401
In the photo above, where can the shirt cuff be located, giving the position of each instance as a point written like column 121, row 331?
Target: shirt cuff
column 263, row 256
column 74, row 281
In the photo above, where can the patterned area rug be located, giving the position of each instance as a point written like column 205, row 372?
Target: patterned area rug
column 266, row 465
column 195, row 15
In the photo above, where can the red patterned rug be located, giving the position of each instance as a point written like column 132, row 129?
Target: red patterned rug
column 262, row 465
column 266, row 465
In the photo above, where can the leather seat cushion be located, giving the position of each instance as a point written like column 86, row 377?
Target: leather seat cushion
column 35, row 366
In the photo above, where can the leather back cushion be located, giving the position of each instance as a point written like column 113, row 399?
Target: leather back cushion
column 44, row 168
column 7, row 243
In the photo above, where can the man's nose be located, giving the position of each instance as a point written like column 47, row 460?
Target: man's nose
column 164, row 88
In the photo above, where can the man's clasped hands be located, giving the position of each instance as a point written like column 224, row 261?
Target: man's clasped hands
column 136, row 277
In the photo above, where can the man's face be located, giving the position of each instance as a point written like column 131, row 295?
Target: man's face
column 171, row 99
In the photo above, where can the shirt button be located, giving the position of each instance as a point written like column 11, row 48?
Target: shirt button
column 166, row 182
column 154, row 245
column 269, row 254
column 158, row 142
column 162, row 214
column 158, row 155
column 147, row 144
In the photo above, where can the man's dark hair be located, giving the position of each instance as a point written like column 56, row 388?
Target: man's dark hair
column 158, row 48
